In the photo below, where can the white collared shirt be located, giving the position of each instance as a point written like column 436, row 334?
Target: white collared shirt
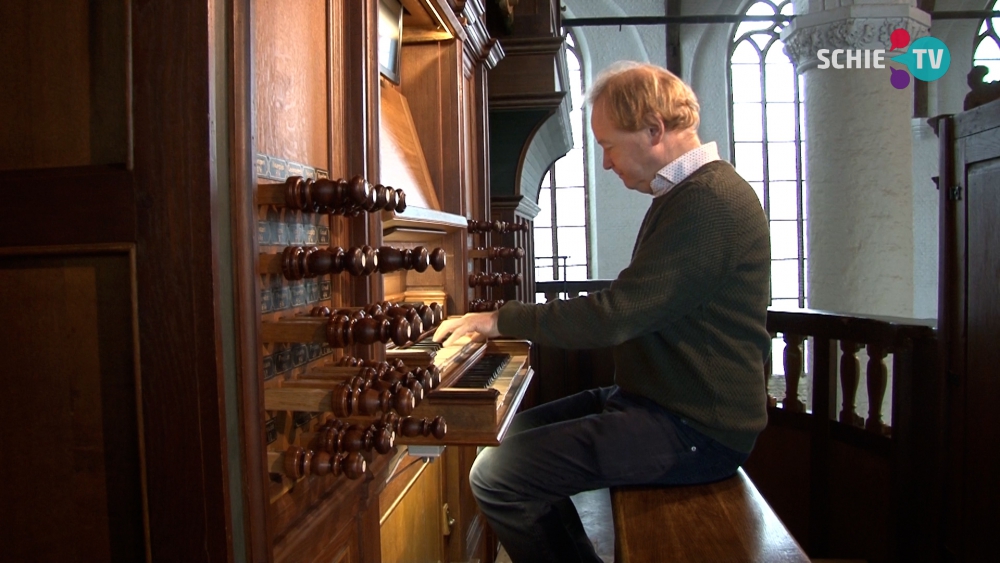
column 682, row 167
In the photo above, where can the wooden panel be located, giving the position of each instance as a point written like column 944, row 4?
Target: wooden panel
column 780, row 468
column 178, row 220
column 982, row 383
column 467, row 540
column 63, row 101
column 69, row 205
column 411, row 529
column 403, row 164
column 290, row 80
column 860, row 524
column 430, row 82
column 70, row 400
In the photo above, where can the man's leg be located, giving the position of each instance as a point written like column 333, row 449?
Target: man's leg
column 592, row 440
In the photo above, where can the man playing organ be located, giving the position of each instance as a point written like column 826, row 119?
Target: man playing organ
column 686, row 319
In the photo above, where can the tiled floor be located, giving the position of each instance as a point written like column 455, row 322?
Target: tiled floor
column 595, row 513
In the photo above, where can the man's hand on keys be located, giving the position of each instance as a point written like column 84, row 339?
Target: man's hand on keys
column 479, row 326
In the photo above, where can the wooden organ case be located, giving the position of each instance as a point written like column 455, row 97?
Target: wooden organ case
column 360, row 210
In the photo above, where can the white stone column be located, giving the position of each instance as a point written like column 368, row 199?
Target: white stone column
column 859, row 180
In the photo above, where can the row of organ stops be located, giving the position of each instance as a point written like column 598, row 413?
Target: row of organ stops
column 355, row 389
column 378, row 322
column 371, row 402
column 341, row 197
column 495, row 227
column 298, row 262
column 484, row 280
column 337, row 446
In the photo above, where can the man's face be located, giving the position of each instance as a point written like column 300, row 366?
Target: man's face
column 630, row 154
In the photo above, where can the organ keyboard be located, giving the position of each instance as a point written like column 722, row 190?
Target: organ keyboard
column 476, row 415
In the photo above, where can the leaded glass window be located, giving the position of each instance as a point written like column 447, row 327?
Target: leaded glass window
column 767, row 136
column 987, row 47
column 561, row 235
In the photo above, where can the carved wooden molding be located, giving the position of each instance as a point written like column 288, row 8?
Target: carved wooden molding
column 548, row 45
column 543, row 100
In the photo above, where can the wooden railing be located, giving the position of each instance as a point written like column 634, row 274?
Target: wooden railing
column 566, row 289
column 847, row 484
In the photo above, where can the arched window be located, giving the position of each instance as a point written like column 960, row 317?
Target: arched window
column 562, row 249
column 987, row 47
column 767, row 133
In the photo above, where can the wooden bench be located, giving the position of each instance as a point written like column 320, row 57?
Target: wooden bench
column 723, row 522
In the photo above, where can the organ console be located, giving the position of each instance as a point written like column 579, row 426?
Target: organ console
column 355, row 267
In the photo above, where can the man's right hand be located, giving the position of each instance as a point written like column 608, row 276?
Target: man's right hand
column 481, row 324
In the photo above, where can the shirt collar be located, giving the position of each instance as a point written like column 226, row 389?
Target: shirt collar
column 682, row 167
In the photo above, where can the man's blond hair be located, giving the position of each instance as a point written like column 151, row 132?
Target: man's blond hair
column 634, row 93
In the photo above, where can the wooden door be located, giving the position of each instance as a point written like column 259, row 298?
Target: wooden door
column 968, row 321
column 970, row 325
column 112, row 376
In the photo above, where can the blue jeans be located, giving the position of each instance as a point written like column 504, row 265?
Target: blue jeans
column 592, row 440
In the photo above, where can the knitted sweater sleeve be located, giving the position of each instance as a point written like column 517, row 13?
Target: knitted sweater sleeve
column 682, row 258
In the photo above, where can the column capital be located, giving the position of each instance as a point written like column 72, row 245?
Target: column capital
column 858, row 26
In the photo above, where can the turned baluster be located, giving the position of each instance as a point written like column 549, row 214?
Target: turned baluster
column 297, row 462
column 481, row 305
column 430, row 314
column 325, row 195
column 410, row 427
column 877, row 378
column 417, row 259
column 363, row 397
column 340, row 437
column 374, row 401
column 391, row 364
column 371, row 265
column 496, row 226
column 497, row 252
column 381, row 197
column 344, row 331
column 850, row 367
column 793, row 372
column 297, row 262
column 493, row 280
column 345, row 197
column 412, row 317
column 430, row 377
column 352, row 465
column 768, row 373
column 366, row 397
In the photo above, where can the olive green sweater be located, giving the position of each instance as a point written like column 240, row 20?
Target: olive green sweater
column 687, row 316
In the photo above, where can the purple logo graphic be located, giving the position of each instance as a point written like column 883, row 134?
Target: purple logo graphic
column 900, row 78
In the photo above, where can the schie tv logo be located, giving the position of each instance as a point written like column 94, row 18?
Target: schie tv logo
column 927, row 59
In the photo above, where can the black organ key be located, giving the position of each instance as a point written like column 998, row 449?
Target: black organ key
column 484, row 372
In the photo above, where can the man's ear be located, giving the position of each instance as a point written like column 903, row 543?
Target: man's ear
column 656, row 129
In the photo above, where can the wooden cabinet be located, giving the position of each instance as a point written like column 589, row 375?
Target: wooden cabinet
column 969, row 321
column 136, row 265
column 319, row 109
